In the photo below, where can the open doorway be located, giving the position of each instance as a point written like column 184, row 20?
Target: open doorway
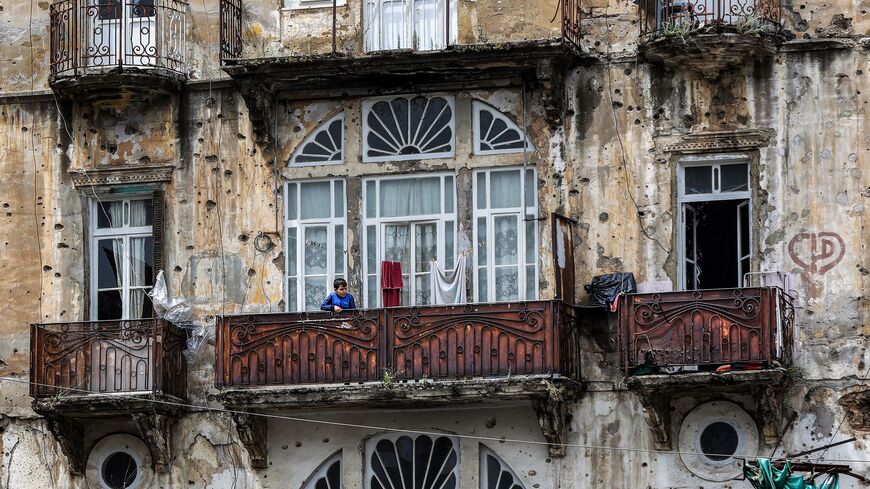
column 715, row 232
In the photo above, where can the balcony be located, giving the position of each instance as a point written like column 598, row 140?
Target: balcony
column 107, row 369
column 332, row 47
column 102, row 48
column 709, row 35
column 422, row 356
column 713, row 343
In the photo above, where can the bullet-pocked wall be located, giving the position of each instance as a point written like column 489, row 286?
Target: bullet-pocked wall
column 628, row 126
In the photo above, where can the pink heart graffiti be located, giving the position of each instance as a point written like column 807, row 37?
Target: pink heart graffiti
column 821, row 259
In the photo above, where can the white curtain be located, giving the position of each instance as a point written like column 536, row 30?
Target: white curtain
column 505, row 190
column 448, row 288
column 410, row 197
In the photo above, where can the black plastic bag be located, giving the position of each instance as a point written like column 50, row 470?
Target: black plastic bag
column 605, row 288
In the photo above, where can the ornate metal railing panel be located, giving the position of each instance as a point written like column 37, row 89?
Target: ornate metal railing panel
column 298, row 348
column 571, row 15
column 101, row 357
column 705, row 327
column 678, row 17
column 231, row 29
column 436, row 342
column 98, row 35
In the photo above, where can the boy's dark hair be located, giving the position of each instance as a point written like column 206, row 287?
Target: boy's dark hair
column 338, row 283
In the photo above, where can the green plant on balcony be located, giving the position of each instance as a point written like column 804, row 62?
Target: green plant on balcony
column 750, row 25
column 679, row 30
column 389, row 378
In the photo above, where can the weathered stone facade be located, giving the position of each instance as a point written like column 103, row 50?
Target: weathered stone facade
column 609, row 129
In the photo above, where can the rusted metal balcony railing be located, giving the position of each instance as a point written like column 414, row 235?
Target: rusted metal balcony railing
column 95, row 36
column 411, row 343
column 679, row 17
column 423, row 30
column 706, row 328
column 104, row 357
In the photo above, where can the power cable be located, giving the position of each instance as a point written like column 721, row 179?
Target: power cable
column 342, row 424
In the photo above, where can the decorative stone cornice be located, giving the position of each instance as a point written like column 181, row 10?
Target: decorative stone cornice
column 739, row 140
column 121, row 174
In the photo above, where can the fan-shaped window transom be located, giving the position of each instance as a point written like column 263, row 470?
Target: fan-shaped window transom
column 323, row 146
column 408, row 128
column 412, row 462
column 327, row 476
column 495, row 473
column 496, row 133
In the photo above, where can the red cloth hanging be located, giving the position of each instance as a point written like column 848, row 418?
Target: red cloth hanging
column 391, row 283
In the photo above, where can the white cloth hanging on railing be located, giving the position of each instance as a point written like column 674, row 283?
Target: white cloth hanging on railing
column 448, row 288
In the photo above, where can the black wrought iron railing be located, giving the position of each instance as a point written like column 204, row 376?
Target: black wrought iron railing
column 680, row 17
column 96, row 35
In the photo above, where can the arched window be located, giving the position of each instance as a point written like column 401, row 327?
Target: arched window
column 496, row 133
column 327, row 476
column 495, row 473
column 323, row 146
column 412, row 462
column 408, row 128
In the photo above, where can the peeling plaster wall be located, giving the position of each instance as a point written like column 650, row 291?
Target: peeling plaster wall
column 812, row 177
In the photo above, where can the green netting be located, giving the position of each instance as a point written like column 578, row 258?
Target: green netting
column 765, row 476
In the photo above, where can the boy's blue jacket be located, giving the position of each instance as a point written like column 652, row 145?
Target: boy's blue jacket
column 333, row 300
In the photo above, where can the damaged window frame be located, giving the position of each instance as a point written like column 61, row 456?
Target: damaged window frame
column 445, row 221
column 294, row 227
column 125, row 233
column 715, row 162
column 527, row 217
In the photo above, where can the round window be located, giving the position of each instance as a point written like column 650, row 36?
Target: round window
column 719, row 441
column 712, row 435
column 119, row 461
column 119, row 470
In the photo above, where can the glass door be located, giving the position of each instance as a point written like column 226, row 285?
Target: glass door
column 415, row 246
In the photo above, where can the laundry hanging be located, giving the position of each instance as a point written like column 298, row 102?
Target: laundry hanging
column 391, row 283
column 448, row 288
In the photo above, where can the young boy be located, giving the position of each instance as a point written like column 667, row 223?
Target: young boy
column 338, row 300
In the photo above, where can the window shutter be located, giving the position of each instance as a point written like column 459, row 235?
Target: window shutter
column 158, row 210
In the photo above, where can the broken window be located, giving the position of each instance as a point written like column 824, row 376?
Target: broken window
column 495, row 133
column 506, row 237
column 410, row 220
column 408, row 128
column 406, row 24
column 122, row 258
column 324, row 146
column 315, row 241
column 715, row 229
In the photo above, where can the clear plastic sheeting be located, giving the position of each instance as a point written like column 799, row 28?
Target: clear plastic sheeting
column 176, row 310
column 200, row 334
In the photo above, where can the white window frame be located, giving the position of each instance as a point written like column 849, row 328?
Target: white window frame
column 300, row 225
column 716, row 161
column 441, row 219
column 372, row 443
column 477, row 107
column 485, row 452
column 322, row 127
column 124, row 233
column 489, row 214
column 372, row 25
column 321, row 471
column 366, row 109
column 310, row 4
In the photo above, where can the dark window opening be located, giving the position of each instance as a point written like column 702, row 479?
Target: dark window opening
column 716, row 243
column 119, row 470
column 719, row 441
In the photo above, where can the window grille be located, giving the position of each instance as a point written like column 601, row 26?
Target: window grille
column 412, row 462
column 323, row 146
column 496, row 133
column 408, row 128
column 495, row 473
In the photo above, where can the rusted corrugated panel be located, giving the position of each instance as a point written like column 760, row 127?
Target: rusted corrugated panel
column 703, row 327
